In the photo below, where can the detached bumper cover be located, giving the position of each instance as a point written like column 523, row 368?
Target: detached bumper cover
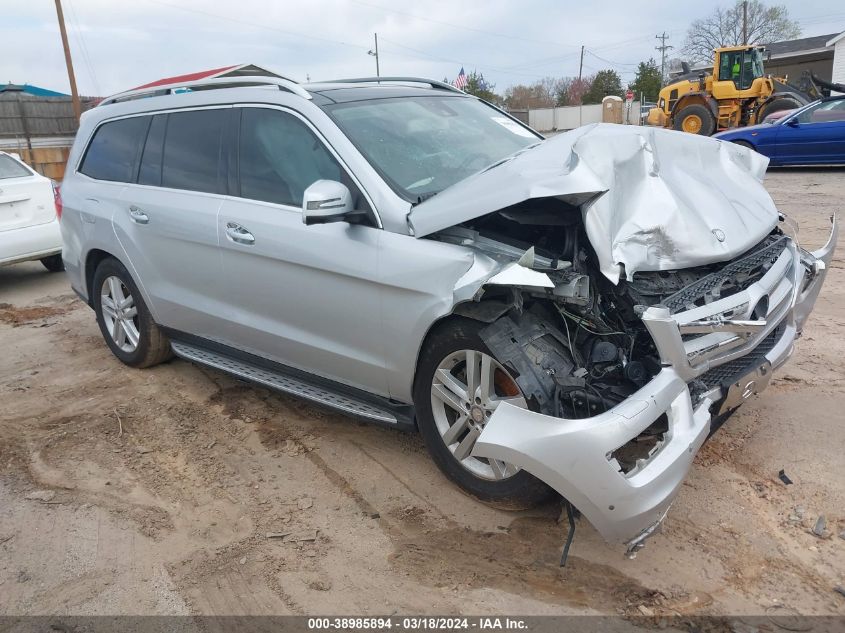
column 575, row 456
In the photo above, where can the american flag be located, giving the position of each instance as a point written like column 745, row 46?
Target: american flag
column 461, row 80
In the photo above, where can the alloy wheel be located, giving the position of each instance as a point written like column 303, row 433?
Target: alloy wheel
column 120, row 314
column 467, row 387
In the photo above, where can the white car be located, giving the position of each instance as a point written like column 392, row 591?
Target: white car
column 30, row 207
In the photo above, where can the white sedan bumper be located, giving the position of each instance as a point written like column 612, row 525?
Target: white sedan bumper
column 30, row 242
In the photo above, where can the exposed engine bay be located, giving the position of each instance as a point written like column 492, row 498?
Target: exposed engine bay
column 580, row 348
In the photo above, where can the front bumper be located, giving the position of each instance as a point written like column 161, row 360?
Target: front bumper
column 574, row 456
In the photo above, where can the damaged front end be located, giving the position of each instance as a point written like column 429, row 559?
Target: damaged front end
column 626, row 374
column 621, row 408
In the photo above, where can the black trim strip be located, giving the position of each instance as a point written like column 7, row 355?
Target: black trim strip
column 404, row 413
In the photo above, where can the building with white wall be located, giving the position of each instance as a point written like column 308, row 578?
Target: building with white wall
column 838, row 44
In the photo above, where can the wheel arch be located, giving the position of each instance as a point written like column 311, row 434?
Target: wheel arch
column 485, row 311
column 92, row 260
column 699, row 98
column 97, row 255
column 744, row 142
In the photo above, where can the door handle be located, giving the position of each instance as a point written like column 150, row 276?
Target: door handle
column 138, row 216
column 239, row 234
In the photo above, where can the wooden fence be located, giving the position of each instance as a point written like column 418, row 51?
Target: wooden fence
column 39, row 129
column 47, row 161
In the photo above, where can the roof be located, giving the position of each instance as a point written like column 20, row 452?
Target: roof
column 347, row 92
column 31, row 90
column 236, row 70
column 799, row 46
column 835, row 39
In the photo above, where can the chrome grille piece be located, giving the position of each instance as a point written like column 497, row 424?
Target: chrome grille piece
column 747, row 265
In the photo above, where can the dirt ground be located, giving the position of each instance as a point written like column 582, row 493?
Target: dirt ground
column 162, row 491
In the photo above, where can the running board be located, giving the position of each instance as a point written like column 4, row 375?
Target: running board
column 285, row 383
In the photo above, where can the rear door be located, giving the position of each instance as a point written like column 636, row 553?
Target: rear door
column 305, row 296
column 26, row 198
column 166, row 221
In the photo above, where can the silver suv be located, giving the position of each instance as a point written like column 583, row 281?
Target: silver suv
column 575, row 314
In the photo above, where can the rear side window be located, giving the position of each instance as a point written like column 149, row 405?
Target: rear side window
column 279, row 157
column 114, row 150
column 192, row 151
column 10, row 168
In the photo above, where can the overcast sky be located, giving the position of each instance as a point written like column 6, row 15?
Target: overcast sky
column 118, row 44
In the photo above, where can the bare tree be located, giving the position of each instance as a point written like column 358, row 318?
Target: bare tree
column 723, row 27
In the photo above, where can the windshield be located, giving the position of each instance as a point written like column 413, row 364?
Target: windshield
column 422, row 145
column 823, row 112
column 756, row 63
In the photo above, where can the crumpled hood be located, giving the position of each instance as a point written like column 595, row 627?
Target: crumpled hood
column 652, row 199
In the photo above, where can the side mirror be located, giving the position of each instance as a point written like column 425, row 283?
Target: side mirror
column 326, row 201
column 793, row 122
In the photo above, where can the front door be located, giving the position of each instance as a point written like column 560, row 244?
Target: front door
column 816, row 135
column 304, row 296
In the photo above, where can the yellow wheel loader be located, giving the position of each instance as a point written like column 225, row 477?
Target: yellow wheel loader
column 735, row 94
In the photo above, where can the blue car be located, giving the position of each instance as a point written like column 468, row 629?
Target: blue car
column 812, row 135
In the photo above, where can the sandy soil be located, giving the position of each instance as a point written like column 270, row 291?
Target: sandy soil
column 126, row 491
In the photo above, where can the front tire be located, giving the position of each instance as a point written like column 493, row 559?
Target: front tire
column 458, row 385
column 125, row 322
column 695, row 119
column 53, row 263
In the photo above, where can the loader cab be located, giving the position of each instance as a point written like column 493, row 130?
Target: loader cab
column 735, row 70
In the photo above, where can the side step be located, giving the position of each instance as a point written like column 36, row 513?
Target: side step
column 285, row 383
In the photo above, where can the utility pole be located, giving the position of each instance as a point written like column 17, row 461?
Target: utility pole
column 373, row 53
column 745, row 22
column 580, row 87
column 662, row 48
column 74, row 95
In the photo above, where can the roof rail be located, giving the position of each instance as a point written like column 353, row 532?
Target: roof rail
column 439, row 85
column 216, row 83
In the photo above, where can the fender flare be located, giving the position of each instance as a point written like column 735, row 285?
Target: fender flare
column 708, row 100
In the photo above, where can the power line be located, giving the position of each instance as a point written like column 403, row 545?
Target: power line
column 74, row 22
column 545, row 61
column 462, row 63
column 610, row 61
column 258, row 25
column 461, row 27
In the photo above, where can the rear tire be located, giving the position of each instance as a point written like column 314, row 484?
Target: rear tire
column 53, row 263
column 695, row 119
column 514, row 490
column 125, row 322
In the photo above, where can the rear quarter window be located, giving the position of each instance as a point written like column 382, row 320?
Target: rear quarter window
column 114, row 151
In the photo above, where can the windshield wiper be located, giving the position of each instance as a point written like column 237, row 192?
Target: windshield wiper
column 508, row 159
column 425, row 196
